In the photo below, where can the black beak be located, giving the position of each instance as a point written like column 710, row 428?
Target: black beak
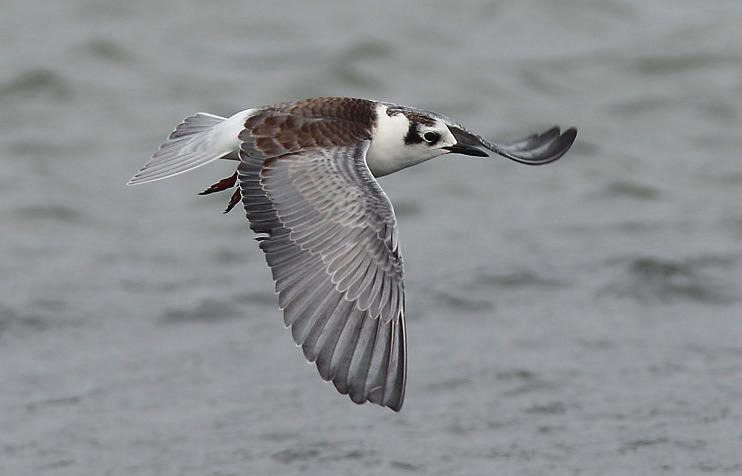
column 466, row 143
column 466, row 150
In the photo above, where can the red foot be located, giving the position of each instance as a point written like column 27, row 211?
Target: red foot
column 236, row 198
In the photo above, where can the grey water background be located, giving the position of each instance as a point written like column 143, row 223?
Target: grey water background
column 579, row 318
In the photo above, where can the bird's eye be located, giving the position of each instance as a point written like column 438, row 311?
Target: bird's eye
column 431, row 137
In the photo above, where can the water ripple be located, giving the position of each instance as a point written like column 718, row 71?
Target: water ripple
column 654, row 279
column 207, row 310
column 33, row 83
column 107, row 50
column 630, row 189
column 680, row 63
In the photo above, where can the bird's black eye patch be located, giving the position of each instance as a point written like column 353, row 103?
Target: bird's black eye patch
column 413, row 136
column 431, row 137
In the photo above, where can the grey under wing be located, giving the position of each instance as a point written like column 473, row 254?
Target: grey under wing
column 538, row 149
column 332, row 247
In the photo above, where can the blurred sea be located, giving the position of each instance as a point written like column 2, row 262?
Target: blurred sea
column 579, row 318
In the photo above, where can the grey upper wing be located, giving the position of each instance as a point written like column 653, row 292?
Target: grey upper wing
column 332, row 247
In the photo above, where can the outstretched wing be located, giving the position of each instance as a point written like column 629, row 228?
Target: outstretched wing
column 536, row 149
column 332, row 247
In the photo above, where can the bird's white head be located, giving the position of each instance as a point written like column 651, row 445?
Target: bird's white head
column 403, row 137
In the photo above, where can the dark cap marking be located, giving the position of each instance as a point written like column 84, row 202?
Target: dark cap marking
column 416, row 118
column 412, row 115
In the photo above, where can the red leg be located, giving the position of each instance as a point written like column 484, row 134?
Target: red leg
column 223, row 184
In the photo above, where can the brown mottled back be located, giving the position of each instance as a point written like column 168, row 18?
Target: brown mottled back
column 310, row 123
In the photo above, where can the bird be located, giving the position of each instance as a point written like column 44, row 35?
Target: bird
column 307, row 177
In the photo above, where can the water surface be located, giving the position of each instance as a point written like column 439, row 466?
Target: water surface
column 580, row 318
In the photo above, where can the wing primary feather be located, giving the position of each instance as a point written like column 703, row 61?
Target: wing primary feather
column 330, row 240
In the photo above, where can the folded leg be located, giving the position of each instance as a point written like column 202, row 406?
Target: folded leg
column 223, row 184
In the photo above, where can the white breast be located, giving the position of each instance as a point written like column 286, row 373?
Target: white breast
column 387, row 151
